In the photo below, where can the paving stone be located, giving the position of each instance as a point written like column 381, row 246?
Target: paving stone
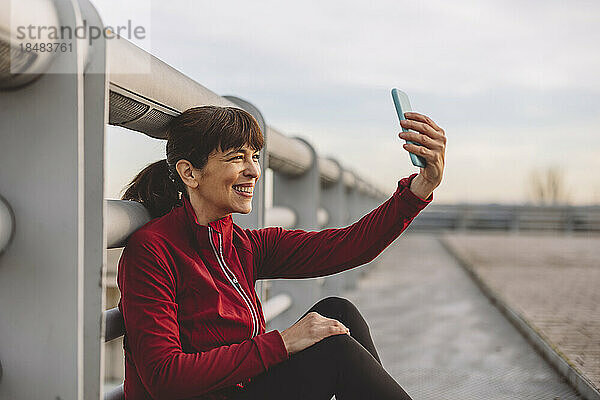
column 440, row 337
column 552, row 281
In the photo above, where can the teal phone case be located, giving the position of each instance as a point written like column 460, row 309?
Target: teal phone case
column 403, row 105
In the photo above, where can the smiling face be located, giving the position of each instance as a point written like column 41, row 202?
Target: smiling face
column 225, row 185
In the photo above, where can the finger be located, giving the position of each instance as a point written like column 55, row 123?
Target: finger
column 337, row 323
column 427, row 154
column 337, row 329
column 423, row 118
column 422, row 139
column 344, row 328
column 341, row 326
column 421, row 127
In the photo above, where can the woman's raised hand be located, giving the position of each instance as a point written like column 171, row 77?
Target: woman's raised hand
column 310, row 329
column 433, row 149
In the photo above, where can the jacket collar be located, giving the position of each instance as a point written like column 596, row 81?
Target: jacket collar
column 223, row 226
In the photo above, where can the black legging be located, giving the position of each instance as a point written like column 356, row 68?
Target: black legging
column 341, row 365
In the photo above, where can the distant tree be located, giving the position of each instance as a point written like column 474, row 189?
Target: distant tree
column 548, row 186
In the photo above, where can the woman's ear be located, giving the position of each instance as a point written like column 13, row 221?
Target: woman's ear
column 185, row 169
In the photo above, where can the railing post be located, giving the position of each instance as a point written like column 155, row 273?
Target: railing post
column 569, row 213
column 95, row 111
column 301, row 194
column 333, row 200
column 354, row 213
column 462, row 217
column 256, row 219
column 52, row 151
column 363, row 207
column 7, row 224
column 514, row 226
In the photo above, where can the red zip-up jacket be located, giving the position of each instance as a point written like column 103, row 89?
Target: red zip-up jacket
column 195, row 327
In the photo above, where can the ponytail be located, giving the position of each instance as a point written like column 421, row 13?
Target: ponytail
column 155, row 189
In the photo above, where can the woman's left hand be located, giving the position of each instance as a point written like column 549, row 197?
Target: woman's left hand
column 433, row 149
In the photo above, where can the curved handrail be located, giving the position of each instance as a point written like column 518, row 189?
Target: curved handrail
column 146, row 104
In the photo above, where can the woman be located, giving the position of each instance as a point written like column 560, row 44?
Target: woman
column 195, row 327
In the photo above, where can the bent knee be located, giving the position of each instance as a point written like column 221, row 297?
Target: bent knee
column 338, row 303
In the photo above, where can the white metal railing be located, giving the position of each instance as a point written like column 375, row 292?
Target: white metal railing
column 124, row 218
column 146, row 103
column 73, row 226
column 509, row 217
column 7, row 224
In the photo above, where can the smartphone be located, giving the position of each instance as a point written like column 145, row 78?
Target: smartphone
column 403, row 105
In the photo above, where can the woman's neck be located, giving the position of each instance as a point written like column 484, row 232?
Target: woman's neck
column 204, row 212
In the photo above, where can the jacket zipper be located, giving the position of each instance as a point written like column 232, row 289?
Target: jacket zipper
column 253, row 312
column 233, row 280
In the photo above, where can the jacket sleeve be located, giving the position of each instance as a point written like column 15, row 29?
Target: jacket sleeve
column 149, row 307
column 281, row 253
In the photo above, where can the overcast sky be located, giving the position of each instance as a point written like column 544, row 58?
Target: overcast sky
column 514, row 84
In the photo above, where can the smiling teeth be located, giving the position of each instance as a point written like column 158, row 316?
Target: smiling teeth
column 243, row 189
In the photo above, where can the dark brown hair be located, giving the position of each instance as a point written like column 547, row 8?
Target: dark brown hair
column 191, row 136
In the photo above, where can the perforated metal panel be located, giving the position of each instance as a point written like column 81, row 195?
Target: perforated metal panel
column 133, row 113
column 123, row 109
column 20, row 60
column 153, row 123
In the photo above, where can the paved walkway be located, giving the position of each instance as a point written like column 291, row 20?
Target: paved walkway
column 440, row 337
column 551, row 281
